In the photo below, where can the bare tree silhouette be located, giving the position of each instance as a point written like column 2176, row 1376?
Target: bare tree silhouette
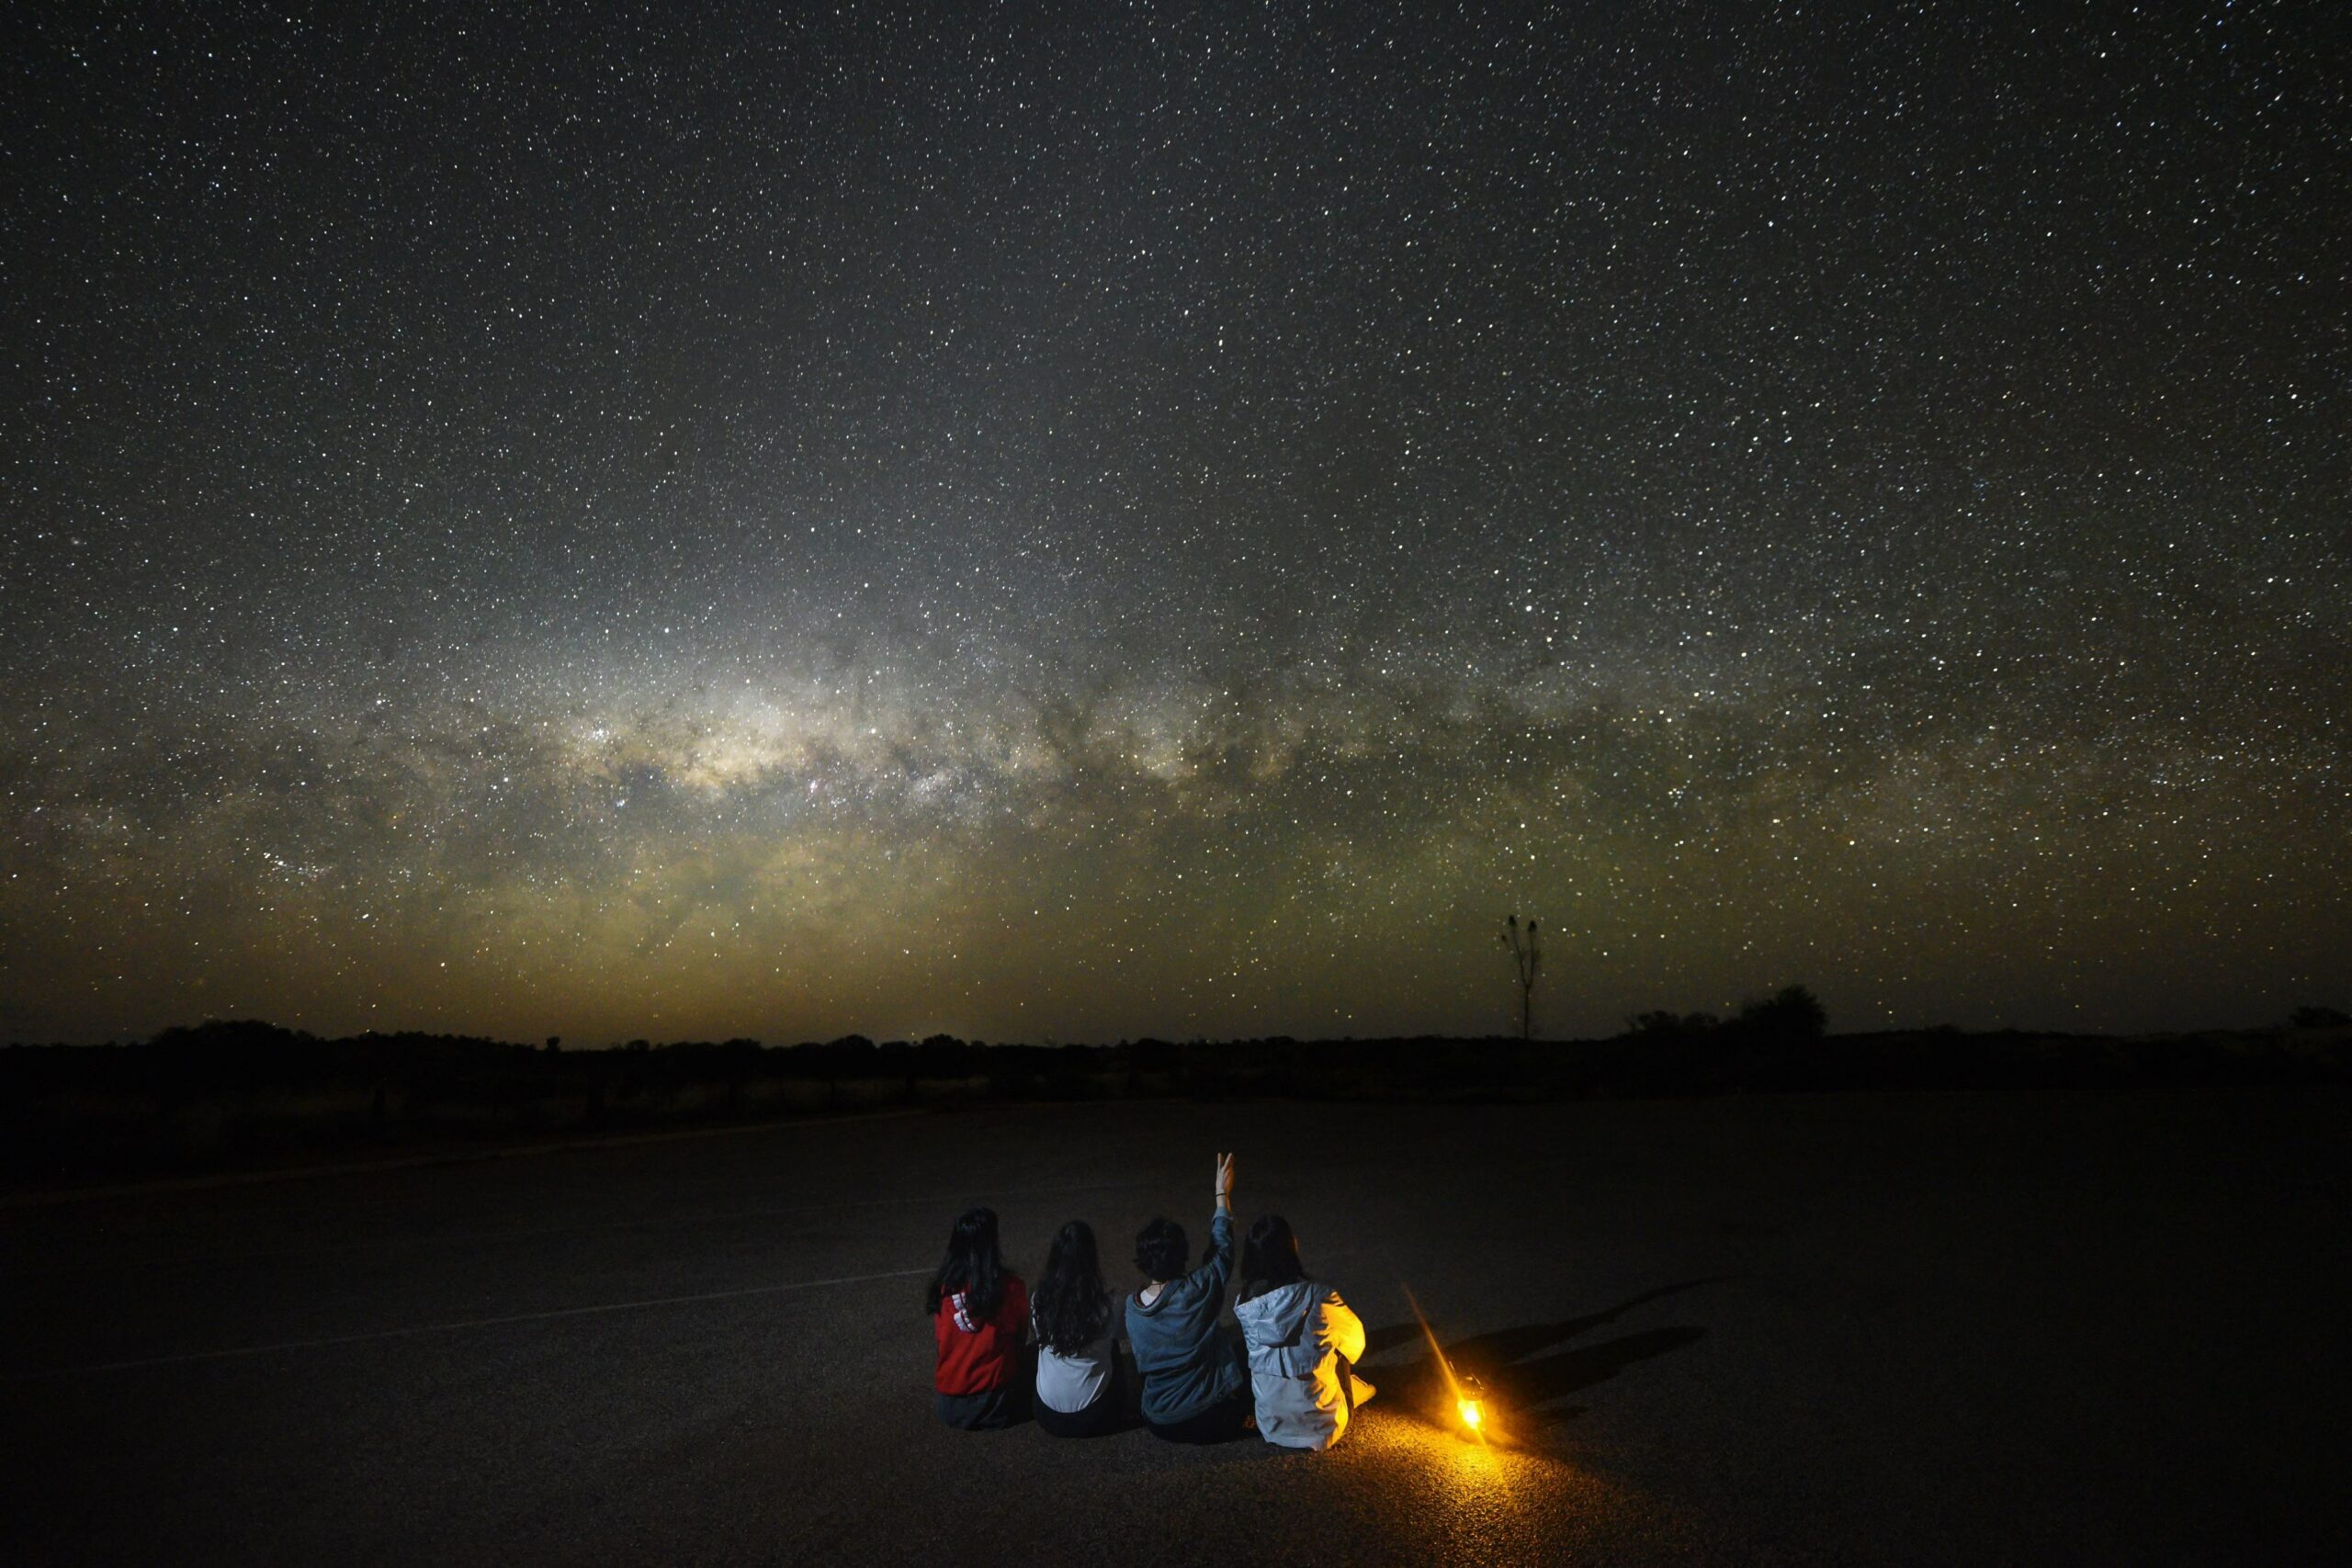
column 1526, row 962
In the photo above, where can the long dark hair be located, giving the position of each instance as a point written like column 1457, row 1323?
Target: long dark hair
column 1073, row 1305
column 1270, row 1257
column 973, row 1265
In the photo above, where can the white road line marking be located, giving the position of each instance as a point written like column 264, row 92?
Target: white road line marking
column 477, row 1239
column 465, row 1324
column 38, row 1200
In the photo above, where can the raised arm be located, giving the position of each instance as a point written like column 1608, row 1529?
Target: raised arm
column 1218, row 1264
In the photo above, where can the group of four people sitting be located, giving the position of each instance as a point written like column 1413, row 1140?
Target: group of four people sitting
column 1292, row 1376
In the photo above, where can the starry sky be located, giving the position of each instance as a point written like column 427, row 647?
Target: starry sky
column 1063, row 522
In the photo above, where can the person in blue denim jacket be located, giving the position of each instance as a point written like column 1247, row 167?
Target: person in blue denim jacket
column 1195, row 1384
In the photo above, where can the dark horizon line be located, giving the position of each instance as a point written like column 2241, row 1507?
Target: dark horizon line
column 1730, row 1026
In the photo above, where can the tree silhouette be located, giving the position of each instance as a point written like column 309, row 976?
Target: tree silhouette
column 1792, row 1012
column 1526, row 960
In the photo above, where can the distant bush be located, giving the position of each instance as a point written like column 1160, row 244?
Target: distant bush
column 2319, row 1018
column 1792, row 1014
column 1663, row 1025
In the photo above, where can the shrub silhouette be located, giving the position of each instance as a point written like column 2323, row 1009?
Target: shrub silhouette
column 1791, row 1013
column 1662, row 1024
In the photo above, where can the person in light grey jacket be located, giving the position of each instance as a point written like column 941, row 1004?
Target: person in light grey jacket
column 1303, row 1341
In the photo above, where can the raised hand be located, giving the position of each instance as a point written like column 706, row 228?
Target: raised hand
column 1224, row 1177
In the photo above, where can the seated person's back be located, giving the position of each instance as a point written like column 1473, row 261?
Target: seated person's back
column 1302, row 1343
column 979, row 1314
column 1193, row 1384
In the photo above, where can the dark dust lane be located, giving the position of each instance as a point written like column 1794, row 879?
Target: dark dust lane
column 1940, row 1328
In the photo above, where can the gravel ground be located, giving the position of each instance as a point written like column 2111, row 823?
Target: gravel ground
column 1934, row 1328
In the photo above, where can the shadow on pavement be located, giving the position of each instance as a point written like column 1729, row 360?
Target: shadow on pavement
column 1512, row 1363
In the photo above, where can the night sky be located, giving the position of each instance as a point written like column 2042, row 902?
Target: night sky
column 1073, row 522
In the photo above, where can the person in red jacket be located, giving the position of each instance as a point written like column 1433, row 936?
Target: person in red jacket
column 980, row 1315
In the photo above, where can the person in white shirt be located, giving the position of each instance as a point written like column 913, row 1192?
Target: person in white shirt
column 1079, row 1390
column 1303, row 1342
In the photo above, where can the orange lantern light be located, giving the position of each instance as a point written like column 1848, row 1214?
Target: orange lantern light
column 1470, row 1403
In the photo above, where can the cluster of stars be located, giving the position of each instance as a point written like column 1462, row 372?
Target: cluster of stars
column 1092, row 524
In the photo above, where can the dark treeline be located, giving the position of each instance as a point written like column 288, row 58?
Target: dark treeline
column 245, row 1091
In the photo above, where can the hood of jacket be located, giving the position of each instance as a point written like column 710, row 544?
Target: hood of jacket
column 1279, row 1317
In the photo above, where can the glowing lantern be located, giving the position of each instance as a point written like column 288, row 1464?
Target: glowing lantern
column 1469, row 1393
column 1470, row 1403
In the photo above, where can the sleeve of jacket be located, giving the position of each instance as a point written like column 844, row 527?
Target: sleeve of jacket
column 1341, row 1329
column 1217, row 1267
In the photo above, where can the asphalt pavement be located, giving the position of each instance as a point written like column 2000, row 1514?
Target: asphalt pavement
column 1870, row 1328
